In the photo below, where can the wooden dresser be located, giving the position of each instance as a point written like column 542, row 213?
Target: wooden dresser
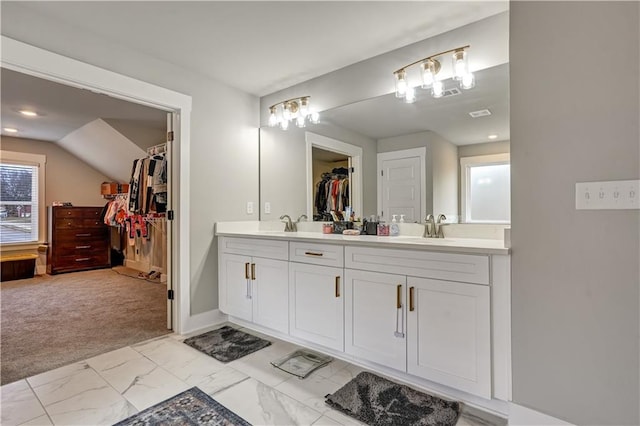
column 78, row 239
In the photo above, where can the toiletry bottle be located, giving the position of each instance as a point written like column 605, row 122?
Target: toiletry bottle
column 394, row 229
column 401, row 218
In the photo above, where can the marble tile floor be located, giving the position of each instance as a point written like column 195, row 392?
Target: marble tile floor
column 110, row 387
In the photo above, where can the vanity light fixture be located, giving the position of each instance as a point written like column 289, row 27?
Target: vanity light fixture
column 429, row 68
column 295, row 109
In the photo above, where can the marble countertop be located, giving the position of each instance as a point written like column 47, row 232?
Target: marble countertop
column 458, row 245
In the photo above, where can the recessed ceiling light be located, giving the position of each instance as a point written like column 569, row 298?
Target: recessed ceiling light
column 493, row 136
column 28, row 113
column 10, row 130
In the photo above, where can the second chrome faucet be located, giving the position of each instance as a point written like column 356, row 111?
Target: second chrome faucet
column 433, row 227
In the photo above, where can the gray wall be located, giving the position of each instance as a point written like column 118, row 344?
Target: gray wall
column 67, row 178
column 224, row 133
column 487, row 148
column 575, row 290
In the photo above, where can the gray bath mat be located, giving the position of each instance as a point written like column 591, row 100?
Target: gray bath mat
column 227, row 344
column 377, row 401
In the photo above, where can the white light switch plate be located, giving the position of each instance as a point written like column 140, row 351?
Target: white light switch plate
column 611, row 195
column 249, row 207
column 267, row 207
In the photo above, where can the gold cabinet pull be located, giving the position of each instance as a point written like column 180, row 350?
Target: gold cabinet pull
column 399, row 296
column 311, row 253
column 337, row 286
column 411, row 307
column 246, row 270
column 253, row 271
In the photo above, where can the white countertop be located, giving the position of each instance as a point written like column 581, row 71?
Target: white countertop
column 458, row 245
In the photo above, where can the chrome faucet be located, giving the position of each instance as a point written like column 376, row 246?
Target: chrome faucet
column 440, row 225
column 429, row 231
column 288, row 225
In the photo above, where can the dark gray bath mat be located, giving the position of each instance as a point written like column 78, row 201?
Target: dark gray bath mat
column 227, row 344
column 377, row 401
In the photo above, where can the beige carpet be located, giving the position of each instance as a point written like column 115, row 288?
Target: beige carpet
column 51, row 321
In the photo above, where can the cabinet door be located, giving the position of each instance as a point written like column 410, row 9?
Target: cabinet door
column 235, row 286
column 449, row 334
column 375, row 317
column 317, row 307
column 270, row 293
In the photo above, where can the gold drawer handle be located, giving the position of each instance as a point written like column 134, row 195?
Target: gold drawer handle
column 253, row 271
column 246, row 270
column 411, row 307
column 311, row 253
column 83, row 235
column 399, row 296
column 83, row 259
column 337, row 286
column 83, row 247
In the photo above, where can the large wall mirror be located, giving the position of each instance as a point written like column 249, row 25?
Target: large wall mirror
column 418, row 145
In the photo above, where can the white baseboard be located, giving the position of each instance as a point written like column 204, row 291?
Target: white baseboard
column 523, row 416
column 203, row 320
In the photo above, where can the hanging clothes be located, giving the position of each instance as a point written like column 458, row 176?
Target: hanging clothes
column 148, row 185
column 332, row 193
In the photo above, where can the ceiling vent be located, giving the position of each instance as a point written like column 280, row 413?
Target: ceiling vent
column 451, row 92
column 480, row 113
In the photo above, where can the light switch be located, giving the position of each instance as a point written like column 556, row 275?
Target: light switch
column 249, row 207
column 267, row 207
column 611, row 195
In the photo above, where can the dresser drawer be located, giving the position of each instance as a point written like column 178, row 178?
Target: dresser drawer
column 270, row 249
column 81, row 248
column 71, row 222
column 81, row 261
column 317, row 254
column 444, row 266
column 80, row 212
column 80, row 234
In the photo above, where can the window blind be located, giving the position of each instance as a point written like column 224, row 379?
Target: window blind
column 19, row 209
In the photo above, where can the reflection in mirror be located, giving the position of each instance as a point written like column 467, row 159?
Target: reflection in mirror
column 444, row 130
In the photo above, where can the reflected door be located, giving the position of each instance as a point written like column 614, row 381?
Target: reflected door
column 401, row 188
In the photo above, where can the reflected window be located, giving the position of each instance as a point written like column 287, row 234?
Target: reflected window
column 486, row 189
column 21, row 209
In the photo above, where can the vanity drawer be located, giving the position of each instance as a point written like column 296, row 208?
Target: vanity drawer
column 270, row 249
column 317, row 254
column 424, row 264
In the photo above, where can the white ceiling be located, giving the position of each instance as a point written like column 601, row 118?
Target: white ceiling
column 259, row 47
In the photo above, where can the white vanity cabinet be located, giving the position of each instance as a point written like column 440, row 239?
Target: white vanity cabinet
column 254, row 281
column 375, row 323
column 449, row 335
column 316, row 294
column 444, row 334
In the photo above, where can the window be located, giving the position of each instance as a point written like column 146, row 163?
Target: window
column 21, row 197
column 486, row 189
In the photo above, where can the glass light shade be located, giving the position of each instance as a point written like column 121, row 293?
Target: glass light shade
column 300, row 121
column 286, row 112
column 468, row 81
column 460, row 64
column 273, row 119
column 401, row 83
column 304, row 107
column 410, row 95
column 428, row 74
column 284, row 124
column 315, row 117
column 438, row 89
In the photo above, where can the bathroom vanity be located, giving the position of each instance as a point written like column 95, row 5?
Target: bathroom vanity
column 431, row 312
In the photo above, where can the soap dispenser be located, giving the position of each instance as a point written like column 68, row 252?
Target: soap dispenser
column 394, row 229
column 401, row 218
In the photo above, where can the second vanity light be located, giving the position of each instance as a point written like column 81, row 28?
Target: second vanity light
column 429, row 68
column 295, row 109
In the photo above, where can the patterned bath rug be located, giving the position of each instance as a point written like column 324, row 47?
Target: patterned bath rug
column 191, row 407
column 377, row 401
column 227, row 344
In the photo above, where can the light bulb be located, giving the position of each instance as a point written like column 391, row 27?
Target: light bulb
column 300, row 121
column 401, row 83
column 304, row 107
column 468, row 81
column 410, row 95
column 284, row 124
column 460, row 64
column 10, row 130
column 438, row 89
column 28, row 113
column 273, row 119
column 315, row 117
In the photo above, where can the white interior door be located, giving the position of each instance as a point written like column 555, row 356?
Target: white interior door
column 402, row 187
